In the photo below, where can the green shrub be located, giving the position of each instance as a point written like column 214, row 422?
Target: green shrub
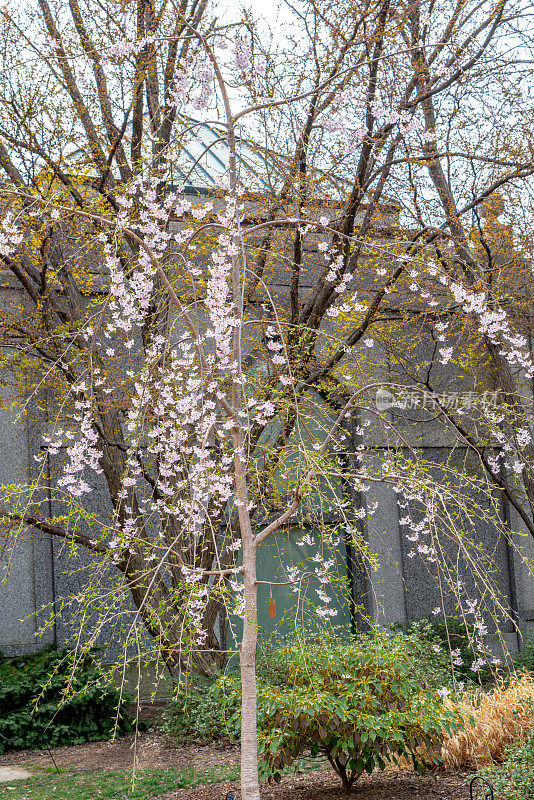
column 43, row 702
column 208, row 709
column 361, row 705
column 513, row 777
column 429, row 656
column 202, row 712
column 525, row 657
column 456, row 637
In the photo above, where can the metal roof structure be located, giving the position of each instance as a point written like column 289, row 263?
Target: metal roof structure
column 203, row 160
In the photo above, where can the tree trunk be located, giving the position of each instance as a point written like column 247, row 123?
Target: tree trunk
column 247, row 658
column 250, row 788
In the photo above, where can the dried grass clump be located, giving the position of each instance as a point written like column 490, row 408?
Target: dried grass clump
column 497, row 718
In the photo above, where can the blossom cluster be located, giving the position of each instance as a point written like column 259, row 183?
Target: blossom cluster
column 10, row 235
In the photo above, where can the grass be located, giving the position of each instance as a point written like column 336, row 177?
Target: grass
column 492, row 720
column 113, row 784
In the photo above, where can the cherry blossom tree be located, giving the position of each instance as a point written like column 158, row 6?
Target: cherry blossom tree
column 180, row 374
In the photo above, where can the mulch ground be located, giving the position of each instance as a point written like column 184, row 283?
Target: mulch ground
column 388, row 785
column 151, row 750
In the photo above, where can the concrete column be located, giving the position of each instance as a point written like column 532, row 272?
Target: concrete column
column 26, row 579
column 387, row 584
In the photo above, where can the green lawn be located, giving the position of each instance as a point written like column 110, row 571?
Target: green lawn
column 112, row 785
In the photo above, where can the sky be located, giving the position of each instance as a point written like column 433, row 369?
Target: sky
column 273, row 11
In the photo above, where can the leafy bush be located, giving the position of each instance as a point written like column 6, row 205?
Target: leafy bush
column 205, row 711
column 429, row 656
column 525, row 657
column 361, row 705
column 202, row 712
column 43, row 702
column 456, row 637
column 513, row 778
